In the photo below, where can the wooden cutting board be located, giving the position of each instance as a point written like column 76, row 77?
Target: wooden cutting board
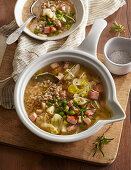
column 13, row 132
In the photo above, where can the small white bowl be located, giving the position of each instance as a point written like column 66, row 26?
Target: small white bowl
column 80, row 10
column 113, row 45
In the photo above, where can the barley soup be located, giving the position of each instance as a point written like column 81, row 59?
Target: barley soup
column 53, row 17
column 70, row 106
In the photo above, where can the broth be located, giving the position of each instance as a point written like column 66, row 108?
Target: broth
column 70, row 106
column 53, row 17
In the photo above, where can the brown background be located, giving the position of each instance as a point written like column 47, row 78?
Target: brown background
column 12, row 158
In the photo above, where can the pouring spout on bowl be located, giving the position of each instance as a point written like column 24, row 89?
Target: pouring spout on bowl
column 89, row 45
column 119, row 113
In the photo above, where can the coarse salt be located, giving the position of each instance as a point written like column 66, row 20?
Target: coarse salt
column 120, row 57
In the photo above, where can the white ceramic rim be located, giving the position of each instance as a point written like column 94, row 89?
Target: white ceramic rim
column 105, row 52
column 30, row 69
column 60, row 36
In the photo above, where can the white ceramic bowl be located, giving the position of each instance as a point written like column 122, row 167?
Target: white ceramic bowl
column 113, row 45
column 82, row 57
column 79, row 18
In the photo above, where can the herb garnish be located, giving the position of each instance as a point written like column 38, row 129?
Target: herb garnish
column 117, row 28
column 82, row 109
column 100, row 141
column 69, row 17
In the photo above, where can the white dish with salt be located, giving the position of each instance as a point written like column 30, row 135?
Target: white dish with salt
column 117, row 55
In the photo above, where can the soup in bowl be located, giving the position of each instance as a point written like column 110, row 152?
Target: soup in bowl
column 54, row 19
column 69, row 106
column 74, row 100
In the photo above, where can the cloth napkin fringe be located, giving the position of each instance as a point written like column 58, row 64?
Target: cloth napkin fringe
column 7, row 93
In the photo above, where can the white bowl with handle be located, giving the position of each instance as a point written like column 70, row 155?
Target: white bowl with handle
column 80, row 11
column 85, row 54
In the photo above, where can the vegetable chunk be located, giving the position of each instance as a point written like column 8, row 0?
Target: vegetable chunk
column 57, row 121
column 47, row 12
column 60, row 76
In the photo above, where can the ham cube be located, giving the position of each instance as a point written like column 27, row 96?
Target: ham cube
column 70, row 103
column 94, row 95
column 90, row 112
column 62, row 8
column 46, row 30
column 60, row 76
column 54, row 65
column 58, row 24
column 99, row 87
column 53, row 29
column 72, row 127
column 33, row 117
column 71, row 119
column 87, row 121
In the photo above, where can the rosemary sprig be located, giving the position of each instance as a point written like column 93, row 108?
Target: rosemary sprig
column 117, row 28
column 100, row 141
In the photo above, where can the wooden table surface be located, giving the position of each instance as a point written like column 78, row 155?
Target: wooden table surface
column 13, row 158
